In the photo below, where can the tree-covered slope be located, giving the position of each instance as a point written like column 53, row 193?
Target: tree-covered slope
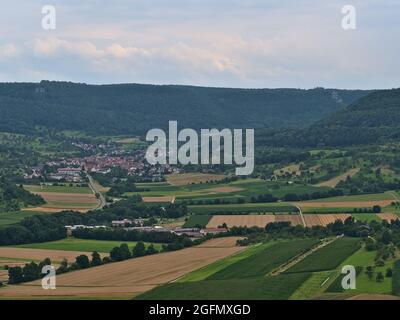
column 134, row 108
column 374, row 118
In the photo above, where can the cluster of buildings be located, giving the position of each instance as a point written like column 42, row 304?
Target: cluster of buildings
column 193, row 233
column 68, row 174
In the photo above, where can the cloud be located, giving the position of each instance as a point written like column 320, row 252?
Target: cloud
column 254, row 43
column 8, row 51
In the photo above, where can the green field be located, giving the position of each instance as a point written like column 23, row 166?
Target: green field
column 58, row 189
column 328, row 257
column 268, row 288
column 243, row 208
column 72, row 244
column 361, row 260
column 242, row 188
column 207, row 271
column 265, row 261
column 8, row 218
column 198, row 220
column 365, row 217
column 313, row 286
column 362, row 197
column 396, row 278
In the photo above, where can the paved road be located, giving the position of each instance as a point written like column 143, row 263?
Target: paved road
column 95, row 190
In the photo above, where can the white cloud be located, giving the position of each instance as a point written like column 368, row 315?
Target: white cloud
column 255, row 43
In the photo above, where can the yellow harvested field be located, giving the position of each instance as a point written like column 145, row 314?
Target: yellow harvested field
column 250, row 220
column 3, row 275
column 332, row 183
column 388, row 216
column 180, row 179
column 158, row 199
column 40, row 254
column 125, row 279
column 344, row 204
column 294, row 219
column 324, row 219
column 220, row 242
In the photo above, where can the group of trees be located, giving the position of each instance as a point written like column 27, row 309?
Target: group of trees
column 12, row 197
column 31, row 271
column 125, row 235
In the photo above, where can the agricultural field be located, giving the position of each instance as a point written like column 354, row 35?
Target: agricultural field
column 189, row 178
column 251, row 220
column 73, row 244
column 127, row 278
column 197, row 220
column 241, row 276
column 243, row 208
column 265, row 261
column 39, row 254
column 58, row 189
column 269, row 288
column 316, row 284
column 213, row 192
column 59, row 198
column 9, row 218
column 327, row 258
column 206, row 272
column 323, row 219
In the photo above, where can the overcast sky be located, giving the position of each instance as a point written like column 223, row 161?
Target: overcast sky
column 226, row 43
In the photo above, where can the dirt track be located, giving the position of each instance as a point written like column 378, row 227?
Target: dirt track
column 332, row 183
column 128, row 278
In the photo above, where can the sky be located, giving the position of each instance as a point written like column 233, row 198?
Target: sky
column 219, row 43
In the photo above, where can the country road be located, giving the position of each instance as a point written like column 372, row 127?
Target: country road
column 92, row 186
column 301, row 214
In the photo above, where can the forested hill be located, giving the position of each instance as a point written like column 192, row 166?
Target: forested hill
column 134, row 108
column 374, row 118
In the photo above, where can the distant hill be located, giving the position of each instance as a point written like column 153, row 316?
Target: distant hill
column 374, row 118
column 135, row 108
